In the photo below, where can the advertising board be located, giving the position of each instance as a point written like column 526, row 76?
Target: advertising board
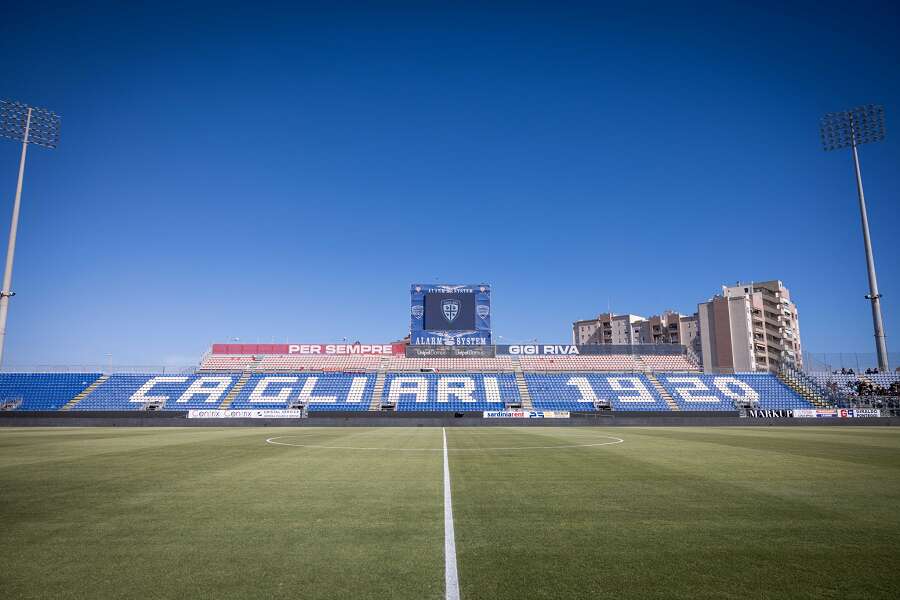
column 526, row 414
column 449, row 351
column 310, row 349
column 246, row 414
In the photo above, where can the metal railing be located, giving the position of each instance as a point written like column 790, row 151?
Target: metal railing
column 820, row 362
column 832, row 397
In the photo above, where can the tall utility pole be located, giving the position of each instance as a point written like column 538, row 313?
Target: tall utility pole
column 28, row 125
column 851, row 128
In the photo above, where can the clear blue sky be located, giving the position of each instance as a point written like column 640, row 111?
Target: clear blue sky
column 272, row 173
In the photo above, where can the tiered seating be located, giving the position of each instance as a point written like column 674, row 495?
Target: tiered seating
column 401, row 363
column 364, row 363
column 581, row 391
column 464, row 392
column 606, row 362
column 352, row 390
column 178, row 392
column 319, row 392
column 845, row 382
column 883, row 379
column 228, row 362
column 674, row 362
column 287, row 362
column 841, row 381
column 42, row 391
column 726, row 392
column 773, row 393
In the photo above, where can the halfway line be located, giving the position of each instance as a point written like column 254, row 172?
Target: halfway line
column 451, row 581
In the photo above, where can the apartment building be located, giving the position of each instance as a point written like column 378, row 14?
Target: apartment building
column 750, row 327
column 668, row 328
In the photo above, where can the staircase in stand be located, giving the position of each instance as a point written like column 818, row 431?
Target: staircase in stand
column 84, row 393
column 640, row 364
column 245, row 376
column 524, row 394
column 379, row 391
column 803, row 386
column 666, row 396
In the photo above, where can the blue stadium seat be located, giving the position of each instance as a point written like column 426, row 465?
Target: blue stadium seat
column 726, row 392
column 42, row 391
column 319, row 391
column 179, row 392
column 450, row 392
column 580, row 391
column 409, row 391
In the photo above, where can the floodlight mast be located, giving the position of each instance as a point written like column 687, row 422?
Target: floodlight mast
column 851, row 128
column 29, row 125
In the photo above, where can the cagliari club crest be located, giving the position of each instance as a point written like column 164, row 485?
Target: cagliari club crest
column 417, row 311
column 483, row 311
column 450, row 308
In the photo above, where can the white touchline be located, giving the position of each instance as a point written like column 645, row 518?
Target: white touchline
column 451, row 581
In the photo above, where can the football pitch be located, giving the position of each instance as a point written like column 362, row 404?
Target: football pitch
column 756, row 512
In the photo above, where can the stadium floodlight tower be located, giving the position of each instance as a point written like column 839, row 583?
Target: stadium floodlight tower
column 28, row 125
column 851, row 128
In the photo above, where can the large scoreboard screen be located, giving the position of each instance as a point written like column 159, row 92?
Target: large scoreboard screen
column 448, row 311
column 455, row 315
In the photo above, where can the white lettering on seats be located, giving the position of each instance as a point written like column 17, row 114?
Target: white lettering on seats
column 357, row 387
column 621, row 384
column 141, row 394
column 694, row 385
column 460, row 387
column 584, row 388
column 492, row 389
column 749, row 395
column 259, row 392
column 219, row 385
column 306, row 393
column 400, row 386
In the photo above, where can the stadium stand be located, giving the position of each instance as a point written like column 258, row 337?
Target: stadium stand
column 584, row 391
column 435, row 392
column 727, row 392
column 289, row 363
column 449, row 365
column 168, row 392
column 41, row 391
column 882, row 379
column 847, row 383
column 222, row 362
column 358, row 383
column 296, row 363
column 840, row 382
column 326, row 391
column 669, row 363
column 610, row 362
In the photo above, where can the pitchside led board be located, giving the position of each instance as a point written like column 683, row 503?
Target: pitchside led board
column 452, row 315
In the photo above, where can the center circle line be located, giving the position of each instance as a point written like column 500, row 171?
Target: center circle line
column 274, row 441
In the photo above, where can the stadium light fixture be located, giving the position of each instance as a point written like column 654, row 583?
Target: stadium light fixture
column 849, row 129
column 29, row 125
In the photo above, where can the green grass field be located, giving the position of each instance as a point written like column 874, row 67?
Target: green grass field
column 668, row 513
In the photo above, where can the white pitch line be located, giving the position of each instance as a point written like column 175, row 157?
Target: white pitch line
column 451, row 580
